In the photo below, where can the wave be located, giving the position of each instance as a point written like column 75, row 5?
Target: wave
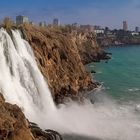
column 133, row 89
column 99, row 72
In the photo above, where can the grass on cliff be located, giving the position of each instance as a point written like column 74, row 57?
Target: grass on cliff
column 8, row 24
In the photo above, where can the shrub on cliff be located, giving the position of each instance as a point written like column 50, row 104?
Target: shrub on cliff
column 8, row 23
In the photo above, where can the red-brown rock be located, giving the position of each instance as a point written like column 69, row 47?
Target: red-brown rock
column 58, row 57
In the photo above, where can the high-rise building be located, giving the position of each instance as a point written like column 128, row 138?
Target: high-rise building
column 125, row 26
column 56, row 22
column 21, row 19
column 32, row 23
column 42, row 24
column 75, row 25
column 137, row 29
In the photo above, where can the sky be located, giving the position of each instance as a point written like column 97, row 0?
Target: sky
column 109, row 13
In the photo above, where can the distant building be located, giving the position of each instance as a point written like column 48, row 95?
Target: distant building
column 107, row 29
column 42, row 24
column 125, row 26
column 32, row 23
column 110, row 34
column 87, row 28
column 137, row 29
column 56, row 22
column 135, row 33
column 21, row 19
column 99, row 31
column 96, row 27
column 76, row 25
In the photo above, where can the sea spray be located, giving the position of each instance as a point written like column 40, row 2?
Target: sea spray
column 106, row 120
column 22, row 83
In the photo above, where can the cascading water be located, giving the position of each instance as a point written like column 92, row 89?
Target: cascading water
column 22, row 83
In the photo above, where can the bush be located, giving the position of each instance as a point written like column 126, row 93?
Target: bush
column 8, row 23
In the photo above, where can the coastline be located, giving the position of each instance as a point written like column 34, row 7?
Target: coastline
column 118, row 41
column 120, row 45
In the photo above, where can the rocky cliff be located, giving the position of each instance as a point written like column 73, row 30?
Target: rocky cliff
column 59, row 59
column 13, row 125
column 88, row 47
column 61, row 56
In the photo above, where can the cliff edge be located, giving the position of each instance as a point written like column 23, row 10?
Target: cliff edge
column 61, row 57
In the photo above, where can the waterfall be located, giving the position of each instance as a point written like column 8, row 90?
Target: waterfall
column 22, row 83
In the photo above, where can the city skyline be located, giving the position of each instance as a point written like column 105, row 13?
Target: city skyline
column 109, row 13
column 21, row 19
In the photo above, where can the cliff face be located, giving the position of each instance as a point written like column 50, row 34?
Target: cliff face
column 60, row 57
column 59, row 61
column 88, row 48
column 108, row 41
column 13, row 125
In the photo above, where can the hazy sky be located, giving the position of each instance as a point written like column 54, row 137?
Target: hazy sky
column 97, row 12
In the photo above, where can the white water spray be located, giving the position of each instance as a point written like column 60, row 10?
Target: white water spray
column 22, row 83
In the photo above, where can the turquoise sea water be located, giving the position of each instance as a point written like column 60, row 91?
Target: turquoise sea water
column 121, row 75
column 117, row 103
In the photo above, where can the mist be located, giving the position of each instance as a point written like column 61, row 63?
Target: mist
column 105, row 119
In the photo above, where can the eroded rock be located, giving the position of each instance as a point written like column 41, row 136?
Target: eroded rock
column 13, row 124
column 59, row 60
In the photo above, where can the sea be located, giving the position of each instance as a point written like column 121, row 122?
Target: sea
column 120, row 76
column 117, row 100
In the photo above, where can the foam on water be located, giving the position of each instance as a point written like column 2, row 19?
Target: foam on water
column 133, row 89
column 22, row 83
